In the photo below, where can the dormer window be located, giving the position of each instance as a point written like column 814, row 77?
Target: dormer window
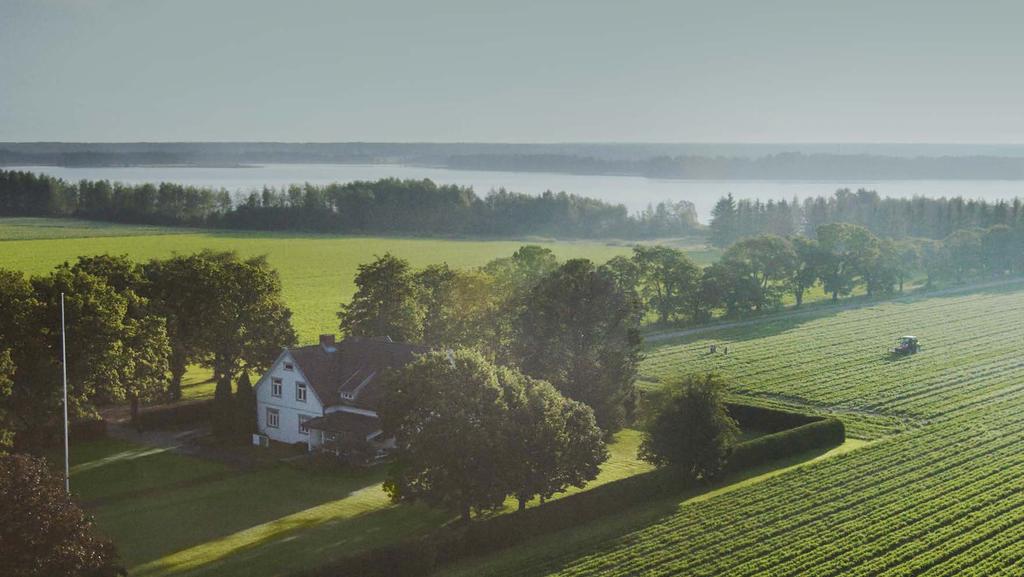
column 289, row 367
column 276, row 387
column 300, row 392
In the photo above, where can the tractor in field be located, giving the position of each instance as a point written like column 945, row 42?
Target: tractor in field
column 906, row 345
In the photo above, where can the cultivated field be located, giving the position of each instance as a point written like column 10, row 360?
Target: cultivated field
column 940, row 491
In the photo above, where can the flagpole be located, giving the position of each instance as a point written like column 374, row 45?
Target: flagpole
column 64, row 369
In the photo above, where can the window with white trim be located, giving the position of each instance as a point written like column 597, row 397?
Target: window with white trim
column 276, row 387
column 289, row 367
column 303, row 429
column 273, row 418
column 300, row 392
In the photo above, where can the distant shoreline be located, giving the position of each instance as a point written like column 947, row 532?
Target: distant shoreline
column 824, row 179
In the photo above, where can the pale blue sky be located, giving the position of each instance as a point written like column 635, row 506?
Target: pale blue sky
column 514, row 71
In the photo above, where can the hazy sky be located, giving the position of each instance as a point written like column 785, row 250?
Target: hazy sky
column 512, row 71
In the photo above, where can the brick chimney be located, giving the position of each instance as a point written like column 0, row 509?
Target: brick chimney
column 327, row 343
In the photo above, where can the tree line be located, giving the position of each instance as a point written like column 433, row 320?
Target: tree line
column 757, row 273
column 133, row 329
column 897, row 218
column 383, row 206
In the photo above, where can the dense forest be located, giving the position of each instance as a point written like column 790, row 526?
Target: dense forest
column 385, row 206
column 897, row 218
column 421, row 207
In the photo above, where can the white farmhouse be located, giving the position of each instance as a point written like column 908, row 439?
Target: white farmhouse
column 319, row 394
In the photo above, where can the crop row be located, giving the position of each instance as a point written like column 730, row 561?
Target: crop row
column 945, row 498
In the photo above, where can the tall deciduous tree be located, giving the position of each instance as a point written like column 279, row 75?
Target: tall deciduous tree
column 581, row 334
column 809, row 260
column 247, row 329
column 667, row 277
column 183, row 290
column 384, row 303
column 43, row 532
column 770, row 260
column 145, row 351
column 446, row 412
column 625, row 272
column 909, row 254
column 729, row 284
column 514, row 278
column 551, row 442
column 963, row 248
column 690, row 427
column 849, row 250
column 459, row 307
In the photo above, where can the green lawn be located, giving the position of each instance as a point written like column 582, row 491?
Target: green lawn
column 109, row 469
column 171, row 514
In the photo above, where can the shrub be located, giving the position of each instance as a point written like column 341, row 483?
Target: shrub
column 690, row 427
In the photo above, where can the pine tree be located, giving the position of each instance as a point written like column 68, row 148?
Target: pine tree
column 724, row 222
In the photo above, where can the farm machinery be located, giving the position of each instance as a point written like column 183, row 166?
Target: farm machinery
column 906, row 345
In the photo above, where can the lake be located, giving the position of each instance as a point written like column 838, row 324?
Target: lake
column 633, row 191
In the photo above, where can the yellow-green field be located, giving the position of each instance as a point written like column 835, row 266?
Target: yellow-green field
column 316, row 270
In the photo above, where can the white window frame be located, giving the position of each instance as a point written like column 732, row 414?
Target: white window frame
column 304, row 430
column 276, row 387
column 301, row 392
column 289, row 366
column 273, row 418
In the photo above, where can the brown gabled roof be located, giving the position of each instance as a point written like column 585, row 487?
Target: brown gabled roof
column 345, row 422
column 348, row 373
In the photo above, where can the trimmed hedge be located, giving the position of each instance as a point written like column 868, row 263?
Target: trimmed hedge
column 177, row 415
column 421, row 555
column 768, row 420
column 818, row 434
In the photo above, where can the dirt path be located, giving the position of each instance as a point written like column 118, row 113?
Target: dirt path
column 824, row 310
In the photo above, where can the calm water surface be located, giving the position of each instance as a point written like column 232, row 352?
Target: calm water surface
column 633, row 191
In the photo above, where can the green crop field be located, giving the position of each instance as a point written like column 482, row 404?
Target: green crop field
column 940, row 491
